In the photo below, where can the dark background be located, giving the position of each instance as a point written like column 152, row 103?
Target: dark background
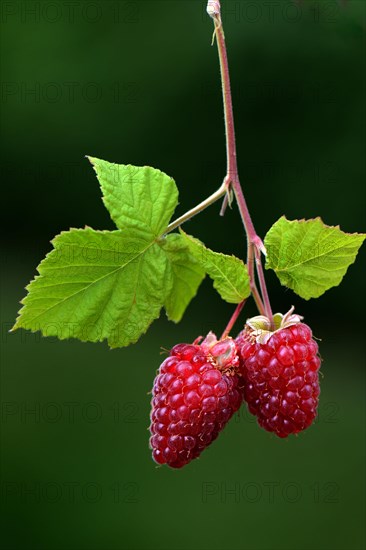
column 137, row 82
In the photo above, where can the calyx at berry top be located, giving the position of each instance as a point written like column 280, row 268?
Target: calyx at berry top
column 260, row 325
column 223, row 353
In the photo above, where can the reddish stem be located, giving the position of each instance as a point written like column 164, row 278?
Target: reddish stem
column 253, row 286
column 263, row 286
column 232, row 177
column 233, row 319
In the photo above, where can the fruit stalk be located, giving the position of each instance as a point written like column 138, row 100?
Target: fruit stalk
column 233, row 319
column 253, row 286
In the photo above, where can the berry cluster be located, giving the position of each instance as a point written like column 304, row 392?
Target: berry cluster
column 199, row 387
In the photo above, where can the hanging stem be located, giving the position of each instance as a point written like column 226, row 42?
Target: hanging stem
column 254, row 243
column 253, row 286
column 233, row 319
column 263, row 286
column 232, row 165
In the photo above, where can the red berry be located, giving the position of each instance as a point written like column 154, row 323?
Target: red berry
column 280, row 373
column 196, row 391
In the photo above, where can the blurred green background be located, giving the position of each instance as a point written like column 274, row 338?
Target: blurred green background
column 137, row 82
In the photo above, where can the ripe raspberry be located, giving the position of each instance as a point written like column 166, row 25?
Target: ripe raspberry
column 280, row 371
column 196, row 391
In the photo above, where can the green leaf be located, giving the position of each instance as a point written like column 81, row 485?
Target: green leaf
column 136, row 197
column 229, row 274
column 98, row 285
column 187, row 276
column 308, row 256
column 101, row 285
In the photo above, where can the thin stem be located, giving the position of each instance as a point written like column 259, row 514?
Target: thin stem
column 197, row 209
column 253, row 241
column 253, row 285
column 244, row 212
column 232, row 165
column 262, row 284
column 233, row 319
